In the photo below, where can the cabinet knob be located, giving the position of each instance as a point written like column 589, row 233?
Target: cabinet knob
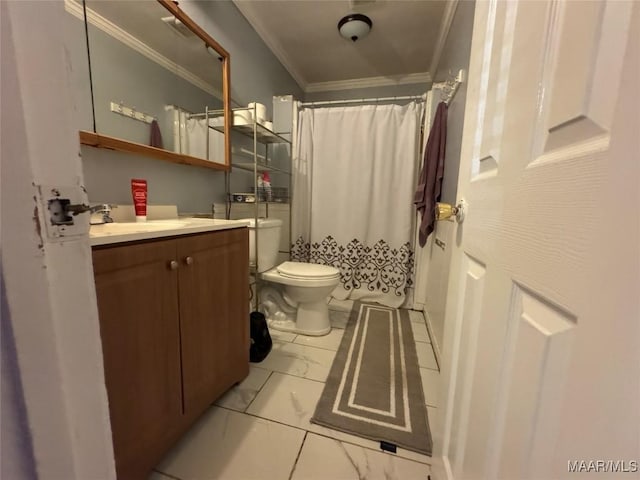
column 173, row 265
column 188, row 260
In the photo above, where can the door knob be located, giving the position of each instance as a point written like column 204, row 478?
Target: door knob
column 173, row 265
column 445, row 211
column 188, row 260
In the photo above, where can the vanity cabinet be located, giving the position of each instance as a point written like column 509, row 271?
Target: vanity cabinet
column 174, row 327
column 213, row 284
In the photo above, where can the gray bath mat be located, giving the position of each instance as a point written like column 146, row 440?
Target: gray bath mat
column 374, row 388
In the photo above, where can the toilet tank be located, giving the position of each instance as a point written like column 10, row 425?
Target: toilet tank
column 268, row 242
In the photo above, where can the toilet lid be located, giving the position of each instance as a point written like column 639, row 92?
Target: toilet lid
column 307, row 270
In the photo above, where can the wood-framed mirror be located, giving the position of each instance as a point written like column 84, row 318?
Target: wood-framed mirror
column 159, row 83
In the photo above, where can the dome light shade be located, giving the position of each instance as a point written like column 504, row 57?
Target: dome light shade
column 354, row 26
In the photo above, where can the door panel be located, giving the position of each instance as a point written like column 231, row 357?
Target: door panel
column 547, row 145
column 471, row 293
column 213, row 314
column 500, row 24
column 538, row 350
column 138, row 308
column 580, row 70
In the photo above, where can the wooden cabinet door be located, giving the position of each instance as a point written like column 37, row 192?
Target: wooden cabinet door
column 138, row 306
column 214, row 314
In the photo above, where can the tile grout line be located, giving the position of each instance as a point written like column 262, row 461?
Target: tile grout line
column 249, row 414
column 295, row 464
column 420, row 366
column 298, row 376
column 424, row 317
column 324, row 435
column 259, row 390
column 432, row 369
column 395, row 455
column 435, row 356
column 320, row 348
column 430, row 342
column 303, row 345
column 166, row 474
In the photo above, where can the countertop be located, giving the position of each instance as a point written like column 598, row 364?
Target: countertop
column 119, row 232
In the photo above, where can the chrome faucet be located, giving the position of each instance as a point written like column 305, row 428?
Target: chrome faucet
column 103, row 208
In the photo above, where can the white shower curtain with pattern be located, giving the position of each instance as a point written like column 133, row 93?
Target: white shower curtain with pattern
column 354, row 174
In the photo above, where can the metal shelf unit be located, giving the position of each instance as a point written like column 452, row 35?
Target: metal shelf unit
column 258, row 164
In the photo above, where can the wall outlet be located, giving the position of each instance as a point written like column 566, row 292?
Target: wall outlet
column 60, row 224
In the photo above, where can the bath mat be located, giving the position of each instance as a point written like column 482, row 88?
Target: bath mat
column 374, row 389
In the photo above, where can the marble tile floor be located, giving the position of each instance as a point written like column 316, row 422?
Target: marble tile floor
column 260, row 429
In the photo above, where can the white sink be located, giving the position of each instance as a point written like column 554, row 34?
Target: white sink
column 120, row 228
column 131, row 231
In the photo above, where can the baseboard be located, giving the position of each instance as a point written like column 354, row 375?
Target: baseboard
column 418, row 306
column 434, row 340
column 440, row 468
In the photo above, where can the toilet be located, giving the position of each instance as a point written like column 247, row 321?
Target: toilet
column 294, row 297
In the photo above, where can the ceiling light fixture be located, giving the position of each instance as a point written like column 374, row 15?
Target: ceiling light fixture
column 354, row 26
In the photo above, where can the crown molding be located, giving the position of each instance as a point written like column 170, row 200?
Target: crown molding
column 368, row 82
column 132, row 42
column 443, row 34
column 271, row 43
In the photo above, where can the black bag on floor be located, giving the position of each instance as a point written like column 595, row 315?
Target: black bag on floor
column 260, row 339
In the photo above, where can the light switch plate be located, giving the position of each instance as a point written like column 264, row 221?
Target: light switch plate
column 75, row 195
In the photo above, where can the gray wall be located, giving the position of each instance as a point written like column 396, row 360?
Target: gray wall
column 121, row 74
column 108, row 177
column 455, row 56
column 256, row 75
column 369, row 92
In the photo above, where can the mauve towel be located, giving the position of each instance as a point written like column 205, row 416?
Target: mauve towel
column 155, row 139
column 430, row 182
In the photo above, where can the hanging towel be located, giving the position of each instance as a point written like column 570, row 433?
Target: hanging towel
column 430, row 182
column 155, row 139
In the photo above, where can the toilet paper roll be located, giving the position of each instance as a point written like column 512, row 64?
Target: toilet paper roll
column 242, row 117
column 260, row 109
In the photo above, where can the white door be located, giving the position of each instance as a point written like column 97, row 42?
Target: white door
column 542, row 328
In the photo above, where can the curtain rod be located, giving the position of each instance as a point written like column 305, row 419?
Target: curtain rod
column 364, row 100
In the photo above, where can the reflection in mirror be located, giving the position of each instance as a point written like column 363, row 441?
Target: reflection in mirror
column 155, row 81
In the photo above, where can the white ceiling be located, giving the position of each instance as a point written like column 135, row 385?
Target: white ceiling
column 403, row 45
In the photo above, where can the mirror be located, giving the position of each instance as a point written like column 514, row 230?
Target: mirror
column 160, row 84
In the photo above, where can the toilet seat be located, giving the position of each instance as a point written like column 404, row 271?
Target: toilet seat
column 301, row 271
column 303, row 275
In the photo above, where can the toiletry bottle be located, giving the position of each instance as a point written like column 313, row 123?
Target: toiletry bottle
column 260, row 189
column 139, row 194
column 266, row 182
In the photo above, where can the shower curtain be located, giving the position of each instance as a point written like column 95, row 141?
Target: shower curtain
column 195, row 141
column 190, row 136
column 354, row 176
